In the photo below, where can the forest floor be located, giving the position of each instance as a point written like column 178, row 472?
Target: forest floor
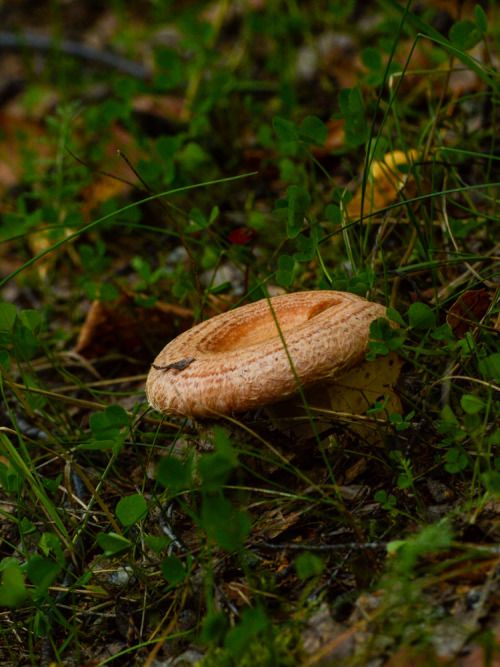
column 161, row 163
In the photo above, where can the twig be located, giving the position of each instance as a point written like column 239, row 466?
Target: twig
column 321, row 547
column 45, row 43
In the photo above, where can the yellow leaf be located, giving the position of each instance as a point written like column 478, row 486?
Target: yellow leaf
column 385, row 181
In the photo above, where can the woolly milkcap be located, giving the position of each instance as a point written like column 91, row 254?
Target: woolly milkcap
column 236, row 361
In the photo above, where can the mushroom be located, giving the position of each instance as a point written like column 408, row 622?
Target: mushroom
column 239, row 360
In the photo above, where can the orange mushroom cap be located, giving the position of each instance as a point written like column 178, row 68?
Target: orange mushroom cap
column 236, row 361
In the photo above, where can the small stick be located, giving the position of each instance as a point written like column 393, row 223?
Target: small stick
column 12, row 40
column 321, row 547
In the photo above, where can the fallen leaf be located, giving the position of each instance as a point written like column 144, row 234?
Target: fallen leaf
column 357, row 469
column 387, row 178
column 276, row 522
column 334, row 139
column 352, row 394
column 242, row 236
column 121, row 179
column 19, row 132
column 357, row 391
column 467, row 311
column 486, row 654
column 415, row 656
column 125, row 327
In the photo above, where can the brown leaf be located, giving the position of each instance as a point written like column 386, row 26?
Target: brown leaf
column 275, row 522
column 18, row 133
column 125, row 327
column 415, row 656
column 334, row 139
column 487, row 654
column 357, row 469
column 105, row 187
column 467, row 311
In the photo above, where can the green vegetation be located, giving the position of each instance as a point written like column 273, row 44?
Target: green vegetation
column 265, row 146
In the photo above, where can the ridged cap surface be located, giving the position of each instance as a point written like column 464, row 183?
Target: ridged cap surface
column 236, row 361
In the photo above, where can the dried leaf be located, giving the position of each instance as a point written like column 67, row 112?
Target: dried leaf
column 275, row 522
column 351, row 394
column 105, row 187
column 334, row 139
column 17, row 132
column 357, row 391
column 125, row 327
column 355, row 470
column 467, row 311
column 242, row 236
column 387, row 178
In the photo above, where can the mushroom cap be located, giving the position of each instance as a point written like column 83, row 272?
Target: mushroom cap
column 236, row 361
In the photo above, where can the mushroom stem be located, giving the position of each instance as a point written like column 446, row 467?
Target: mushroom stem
column 351, row 394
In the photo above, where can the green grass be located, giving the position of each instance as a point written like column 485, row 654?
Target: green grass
column 154, row 536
